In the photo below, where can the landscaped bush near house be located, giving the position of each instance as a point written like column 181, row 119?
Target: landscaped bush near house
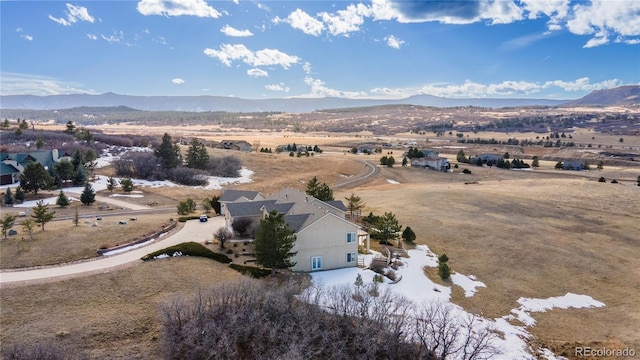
column 189, row 249
column 251, row 271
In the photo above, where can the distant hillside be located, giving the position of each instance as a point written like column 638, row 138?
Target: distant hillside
column 623, row 95
column 233, row 104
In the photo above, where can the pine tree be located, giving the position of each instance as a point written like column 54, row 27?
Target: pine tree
column 197, row 157
column 354, row 206
column 408, row 235
column 168, row 152
column 273, row 243
column 88, row 196
column 127, row 185
column 387, row 227
column 8, row 197
column 35, row 177
column 41, row 214
column 535, row 162
column 443, row 268
column 63, row 200
column 111, row 184
column 19, row 196
column 7, row 223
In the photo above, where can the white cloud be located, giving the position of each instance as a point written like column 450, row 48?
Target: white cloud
column 265, row 57
column 74, row 14
column 28, row 84
column 394, row 42
column 115, row 38
column 230, row 31
column 177, row 81
column 198, row 8
column 601, row 18
column 302, row 21
column 277, row 87
column 92, row 36
column 318, row 89
column 257, row 73
column 306, row 67
column 345, row 21
column 23, row 35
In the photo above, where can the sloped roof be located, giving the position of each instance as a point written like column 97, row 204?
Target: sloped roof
column 248, row 208
column 337, row 204
column 43, row 157
column 6, row 169
column 233, row 195
column 296, row 222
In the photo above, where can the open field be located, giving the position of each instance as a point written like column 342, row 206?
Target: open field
column 530, row 236
column 114, row 315
column 536, row 234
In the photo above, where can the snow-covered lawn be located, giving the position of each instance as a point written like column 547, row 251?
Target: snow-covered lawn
column 419, row 289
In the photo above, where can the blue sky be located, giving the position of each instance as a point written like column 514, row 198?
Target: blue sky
column 254, row 49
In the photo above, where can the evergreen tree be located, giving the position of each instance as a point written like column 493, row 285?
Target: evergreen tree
column 197, row 157
column 41, row 214
column 127, row 185
column 35, row 177
column 63, row 200
column 88, row 196
column 215, row 204
column 273, row 243
column 8, row 197
column 387, row 227
column 19, row 196
column 600, row 165
column 168, row 152
column 64, row 170
column 443, row 268
column 535, row 162
column 354, row 206
column 408, row 235
column 319, row 191
column 111, row 184
column 7, row 223
column 404, row 161
column 312, row 186
column 77, row 159
column 460, row 157
column 80, row 176
column 390, row 161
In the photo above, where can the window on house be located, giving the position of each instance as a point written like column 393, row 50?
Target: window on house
column 351, row 257
column 351, row 237
column 316, row 262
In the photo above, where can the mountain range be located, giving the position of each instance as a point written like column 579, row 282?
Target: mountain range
column 625, row 95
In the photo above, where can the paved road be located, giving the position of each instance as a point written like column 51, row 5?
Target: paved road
column 192, row 231
column 369, row 174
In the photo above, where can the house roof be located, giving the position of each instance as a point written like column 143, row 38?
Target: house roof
column 337, row 204
column 6, row 169
column 248, row 208
column 233, row 195
column 296, row 222
column 43, row 157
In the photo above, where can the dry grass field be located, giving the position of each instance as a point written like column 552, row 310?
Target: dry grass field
column 526, row 234
column 113, row 315
column 63, row 242
column 535, row 234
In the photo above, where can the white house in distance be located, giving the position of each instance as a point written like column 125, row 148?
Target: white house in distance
column 431, row 162
column 325, row 240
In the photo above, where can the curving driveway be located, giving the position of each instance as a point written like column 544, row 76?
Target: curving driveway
column 193, row 230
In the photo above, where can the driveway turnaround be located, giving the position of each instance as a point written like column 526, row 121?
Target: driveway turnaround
column 193, row 230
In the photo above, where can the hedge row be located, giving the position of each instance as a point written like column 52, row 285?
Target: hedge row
column 251, row 271
column 189, row 217
column 189, row 249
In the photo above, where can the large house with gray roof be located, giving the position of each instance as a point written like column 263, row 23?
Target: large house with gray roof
column 324, row 238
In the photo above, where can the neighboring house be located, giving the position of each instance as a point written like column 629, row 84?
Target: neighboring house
column 229, row 196
column 429, row 153
column 366, row 149
column 486, row 158
column 13, row 164
column 324, row 238
column 300, row 148
column 239, row 145
column 572, row 165
column 432, row 162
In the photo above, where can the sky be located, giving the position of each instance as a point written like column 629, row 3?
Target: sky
column 380, row 49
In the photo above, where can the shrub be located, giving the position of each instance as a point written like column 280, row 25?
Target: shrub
column 186, row 218
column 188, row 176
column 602, row 179
column 466, row 171
column 614, row 181
column 189, row 249
column 444, row 271
column 252, row 271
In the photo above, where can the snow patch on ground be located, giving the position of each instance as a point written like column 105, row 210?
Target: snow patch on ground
column 392, row 181
column 468, row 283
column 418, row 288
column 127, row 195
column 128, row 248
column 569, row 300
